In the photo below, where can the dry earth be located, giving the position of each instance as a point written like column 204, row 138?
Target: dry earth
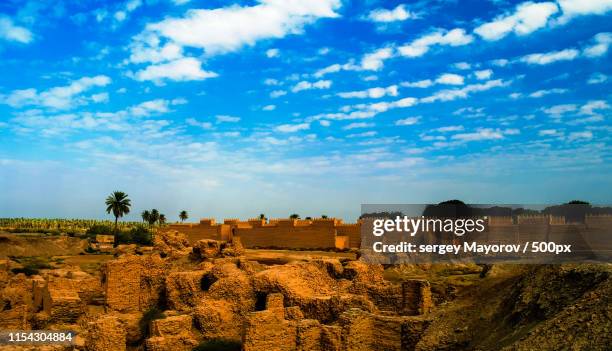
column 175, row 296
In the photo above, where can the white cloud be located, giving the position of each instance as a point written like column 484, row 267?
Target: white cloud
column 426, row 83
column 324, row 123
column 542, row 93
column 600, row 48
column 356, row 125
column 11, row 32
column 98, row 98
column 372, row 93
column 587, row 135
column 64, row 97
column 195, row 123
column 484, row 74
column 148, row 50
column 271, row 81
column 374, row 61
column 452, row 94
column 407, row 121
column 574, row 8
column 549, row 132
column 450, row 79
column 277, row 93
column 230, row 28
column 558, row 110
column 500, row 62
column 480, row 134
column 527, row 18
column 462, row 65
column 184, row 69
column 270, row 53
column 455, row 37
column 291, row 128
column 597, row 78
column 590, row 107
column 550, row 57
column 149, row 107
column 362, row 135
column 227, row 119
column 336, row 68
column 305, row 85
column 269, row 108
column 399, row 13
column 449, row 129
column 346, row 115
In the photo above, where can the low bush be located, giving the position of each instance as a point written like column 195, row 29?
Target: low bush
column 141, row 235
column 138, row 235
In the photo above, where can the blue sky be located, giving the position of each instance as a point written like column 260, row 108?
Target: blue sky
column 231, row 109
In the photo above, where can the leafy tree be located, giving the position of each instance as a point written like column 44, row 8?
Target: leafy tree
column 308, row 218
column 294, row 216
column 183, row 215
column 145, row 216
column 262, row 216
column 324, row 216
column 119, row 204
column 154, row 217
column 162, row 219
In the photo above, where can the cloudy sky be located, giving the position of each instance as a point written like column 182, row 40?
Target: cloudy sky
column 231, row 109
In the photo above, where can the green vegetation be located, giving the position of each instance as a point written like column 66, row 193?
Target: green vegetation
column 31, row 265
column 183, row 215
column 219, row 345
column 137, row 235
column 146, row 215
column 295, row 216
column 119, row 204
column 58, row 225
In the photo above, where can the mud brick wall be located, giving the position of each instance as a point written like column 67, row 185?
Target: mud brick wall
column 501, row 234
column 63, row 306
column 196, row 232
column 134, row 283
column 386, row 297
column 363, row 331
column 265, row 331
column 352, row 231
column 298, row 237
column 279, row 233
column 105, row 334
column 89, row 288
column 15, row 318
column 601, row 221
column 416, row 297
column 357, row 330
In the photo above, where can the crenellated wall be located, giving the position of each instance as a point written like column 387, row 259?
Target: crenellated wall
column 318, row 233
column 332, row 233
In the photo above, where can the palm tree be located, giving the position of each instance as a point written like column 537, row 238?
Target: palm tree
column 162, row 219
column 183, row 215
column 119, row 204
column 145, row 216
column 295, row 216
column 154, row 216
